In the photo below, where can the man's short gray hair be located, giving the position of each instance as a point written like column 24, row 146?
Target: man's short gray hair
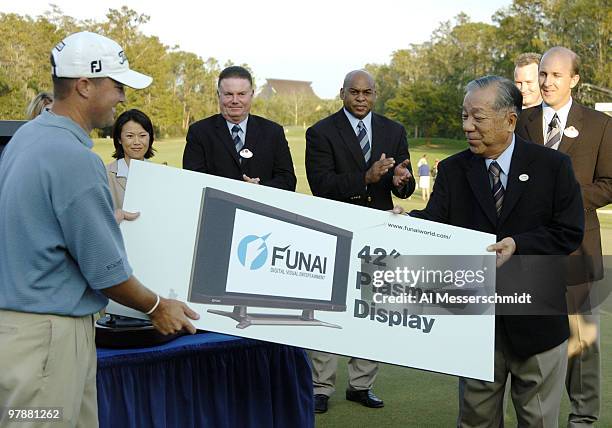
column 508, row 96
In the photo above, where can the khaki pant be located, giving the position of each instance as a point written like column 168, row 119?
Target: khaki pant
column 48, row 361
column 536, row 389
column 362, row 373
column 583, row 378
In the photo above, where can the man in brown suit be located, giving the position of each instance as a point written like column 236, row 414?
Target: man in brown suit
column 586, row 136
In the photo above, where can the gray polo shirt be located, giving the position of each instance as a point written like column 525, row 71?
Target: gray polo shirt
column 59, row 242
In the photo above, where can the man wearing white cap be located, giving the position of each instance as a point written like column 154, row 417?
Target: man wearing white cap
column 62, row 251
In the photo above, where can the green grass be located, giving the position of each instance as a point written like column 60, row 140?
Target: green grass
column 171, row 152
column 413, row 398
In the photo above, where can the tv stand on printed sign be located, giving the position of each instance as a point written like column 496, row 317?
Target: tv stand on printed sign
column 244, row 319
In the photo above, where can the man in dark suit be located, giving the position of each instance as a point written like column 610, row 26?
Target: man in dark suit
column 585, row 135
column 359, row 157
column 236, row 144
column 529, row 198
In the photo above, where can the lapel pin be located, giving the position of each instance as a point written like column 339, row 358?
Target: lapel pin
column 523, row 177
column 246, row 154
column 570, row 132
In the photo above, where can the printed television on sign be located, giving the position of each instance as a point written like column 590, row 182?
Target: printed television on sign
column 249, row 254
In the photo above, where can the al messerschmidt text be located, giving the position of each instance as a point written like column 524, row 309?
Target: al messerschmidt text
column 449, row 298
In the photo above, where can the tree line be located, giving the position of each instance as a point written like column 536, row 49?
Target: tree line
column 421, row 87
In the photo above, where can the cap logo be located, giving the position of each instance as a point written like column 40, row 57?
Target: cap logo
column 86, row 54
column 122, row 57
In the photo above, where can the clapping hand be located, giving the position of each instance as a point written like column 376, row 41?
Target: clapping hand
column 378, row 169
column 401, row 174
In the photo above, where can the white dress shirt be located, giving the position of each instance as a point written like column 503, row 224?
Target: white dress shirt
column 243, row 128
column 367, row 121
column 504, row 160
column 122, row 168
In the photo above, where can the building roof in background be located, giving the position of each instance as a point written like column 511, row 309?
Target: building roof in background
column 285, row 87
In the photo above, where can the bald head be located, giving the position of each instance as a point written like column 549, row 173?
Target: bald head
column 558, row 75
column 565, row 54
column 358, row 93
column 348, row 79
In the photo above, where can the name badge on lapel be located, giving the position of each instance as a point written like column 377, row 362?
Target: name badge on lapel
column 570, row 132
column 246, row 154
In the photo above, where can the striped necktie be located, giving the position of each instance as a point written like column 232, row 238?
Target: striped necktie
column 238, row 143
column 364, row 142
column 498, row 187
column 553, row 137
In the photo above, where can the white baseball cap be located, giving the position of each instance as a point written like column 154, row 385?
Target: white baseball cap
column 91, row 55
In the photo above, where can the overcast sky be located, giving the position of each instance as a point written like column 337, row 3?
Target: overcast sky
column 318, row 41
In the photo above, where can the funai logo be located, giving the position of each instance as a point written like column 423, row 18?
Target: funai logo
column 253, row 251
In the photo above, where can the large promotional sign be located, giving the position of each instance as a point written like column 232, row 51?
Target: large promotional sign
column 278, row 266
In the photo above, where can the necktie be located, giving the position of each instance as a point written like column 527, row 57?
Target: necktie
column 364, row 142
column 553, row 137
column 498, row 187
column 238, row 143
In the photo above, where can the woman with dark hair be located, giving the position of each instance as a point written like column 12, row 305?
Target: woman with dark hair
column 133, row 139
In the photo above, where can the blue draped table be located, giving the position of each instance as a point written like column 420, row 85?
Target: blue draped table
column 205, row 380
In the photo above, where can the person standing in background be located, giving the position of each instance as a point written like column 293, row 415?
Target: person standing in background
column 133, row 138
column 434, row 171
column 526, row 78
column 237, row 144
column 424, row 177
column 585, row 135
column 359, row 157
column 42, row 101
